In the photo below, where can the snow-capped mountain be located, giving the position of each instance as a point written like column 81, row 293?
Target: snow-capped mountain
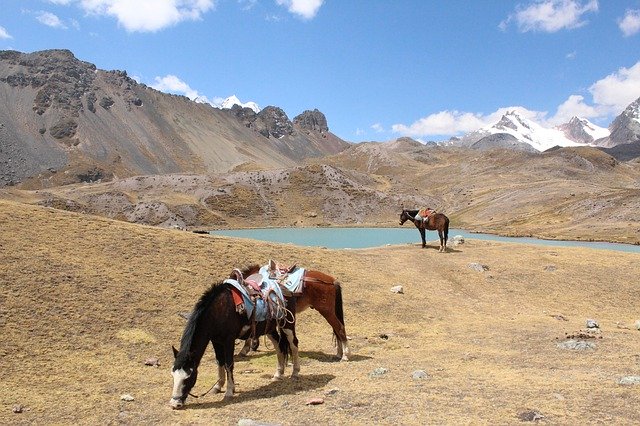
column 515, row 131
column 583, row 131
column 233, row 100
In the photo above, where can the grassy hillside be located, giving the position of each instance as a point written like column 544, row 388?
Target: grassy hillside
column 86, row 300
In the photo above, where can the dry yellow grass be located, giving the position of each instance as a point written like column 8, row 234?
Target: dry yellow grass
column 85, row 300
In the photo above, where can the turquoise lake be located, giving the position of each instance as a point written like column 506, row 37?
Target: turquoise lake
column 353, row 238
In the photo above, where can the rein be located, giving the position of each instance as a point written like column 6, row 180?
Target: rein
column 200, row 396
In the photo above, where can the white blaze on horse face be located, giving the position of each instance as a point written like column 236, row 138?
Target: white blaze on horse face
column 179, row 376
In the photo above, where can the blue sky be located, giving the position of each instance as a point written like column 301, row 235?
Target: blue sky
column 378, row 69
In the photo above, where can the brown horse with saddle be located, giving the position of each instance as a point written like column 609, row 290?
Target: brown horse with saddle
column 429, row 219
column 311, row 289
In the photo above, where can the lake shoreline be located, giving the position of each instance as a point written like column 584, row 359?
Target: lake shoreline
column 313, row 237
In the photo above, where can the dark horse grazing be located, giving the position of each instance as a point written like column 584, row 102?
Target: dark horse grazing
column 215, row 319
column 323, row 293
column 435, row 221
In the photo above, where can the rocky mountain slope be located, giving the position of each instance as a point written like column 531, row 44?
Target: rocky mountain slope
column 63, row 120
column 566, row 193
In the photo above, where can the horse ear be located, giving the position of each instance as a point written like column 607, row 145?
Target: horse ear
column 175, row 352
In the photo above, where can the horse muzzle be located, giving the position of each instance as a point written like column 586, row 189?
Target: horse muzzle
column 176, row 402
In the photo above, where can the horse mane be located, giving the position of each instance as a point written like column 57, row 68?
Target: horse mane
column 200, row 308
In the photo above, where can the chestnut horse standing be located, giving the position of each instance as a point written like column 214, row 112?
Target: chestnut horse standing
column 435, row 221
column 323, row 293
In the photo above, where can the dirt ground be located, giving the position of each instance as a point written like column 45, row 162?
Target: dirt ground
column 84, row 301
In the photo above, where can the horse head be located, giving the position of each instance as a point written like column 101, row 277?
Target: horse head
column 404, row 216
column 185, row 373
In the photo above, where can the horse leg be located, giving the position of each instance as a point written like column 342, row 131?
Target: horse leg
column 293, row 344
column 338, row 330
column 423, row 236
column 229, row 346
column 219, row 350
column 245, row 348
column 281, row 356
column 441, row 241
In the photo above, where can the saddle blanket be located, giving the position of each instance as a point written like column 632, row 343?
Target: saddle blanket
column 265, row 307
column 292, row 281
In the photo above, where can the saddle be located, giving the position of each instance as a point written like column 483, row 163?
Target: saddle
column 289, row 278
column 423, row 214
column 278, row 270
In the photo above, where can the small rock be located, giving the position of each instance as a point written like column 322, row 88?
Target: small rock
column 577, row 345
column 18, row 408
column 378, row 372
column 530, row 416
column 419, row 374
column 621, row 325
column 397, row 289
column 560, row 317
column 126, row 397
column 630, row 380
column 153, row 362
column 478, row 267
column 332, row 391
column 592, row 324
column 550, row 268
column 250, row 422
column 185, row 315
column 637, row 324
column 315, row 401
column 457, row 240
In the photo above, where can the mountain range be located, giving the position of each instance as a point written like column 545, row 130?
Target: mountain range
column 78, row 138
column 62, row 120
column 517, row 132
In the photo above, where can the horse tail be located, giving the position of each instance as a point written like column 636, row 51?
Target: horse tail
column 446, row 229
column 284, row 346
column 339, row 308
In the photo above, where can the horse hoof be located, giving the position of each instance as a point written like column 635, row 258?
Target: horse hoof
column 276, row 378
column 227, row 398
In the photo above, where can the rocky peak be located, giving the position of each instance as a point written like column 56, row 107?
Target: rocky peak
column 511, row 120
column 312, row 120
column 245, row 115
column 60, row 78
column 626, row 127
column 273, row 121
column 582, row 130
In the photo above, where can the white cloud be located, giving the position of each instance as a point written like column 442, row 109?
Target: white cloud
column 574, row 106
column 247, row 4
column 445, row 123
column 572, row 55
column 616, row 91
column 148, row 15
column 441, row 123
column 50, row 20
column 630, row 24
column 550, row 15
column 377, row 127
column 306, row 9
column 61, row 2
column 172, row 84
column 611, row 95
column 4, row 34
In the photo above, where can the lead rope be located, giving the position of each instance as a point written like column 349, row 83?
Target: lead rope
column 200, row 396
